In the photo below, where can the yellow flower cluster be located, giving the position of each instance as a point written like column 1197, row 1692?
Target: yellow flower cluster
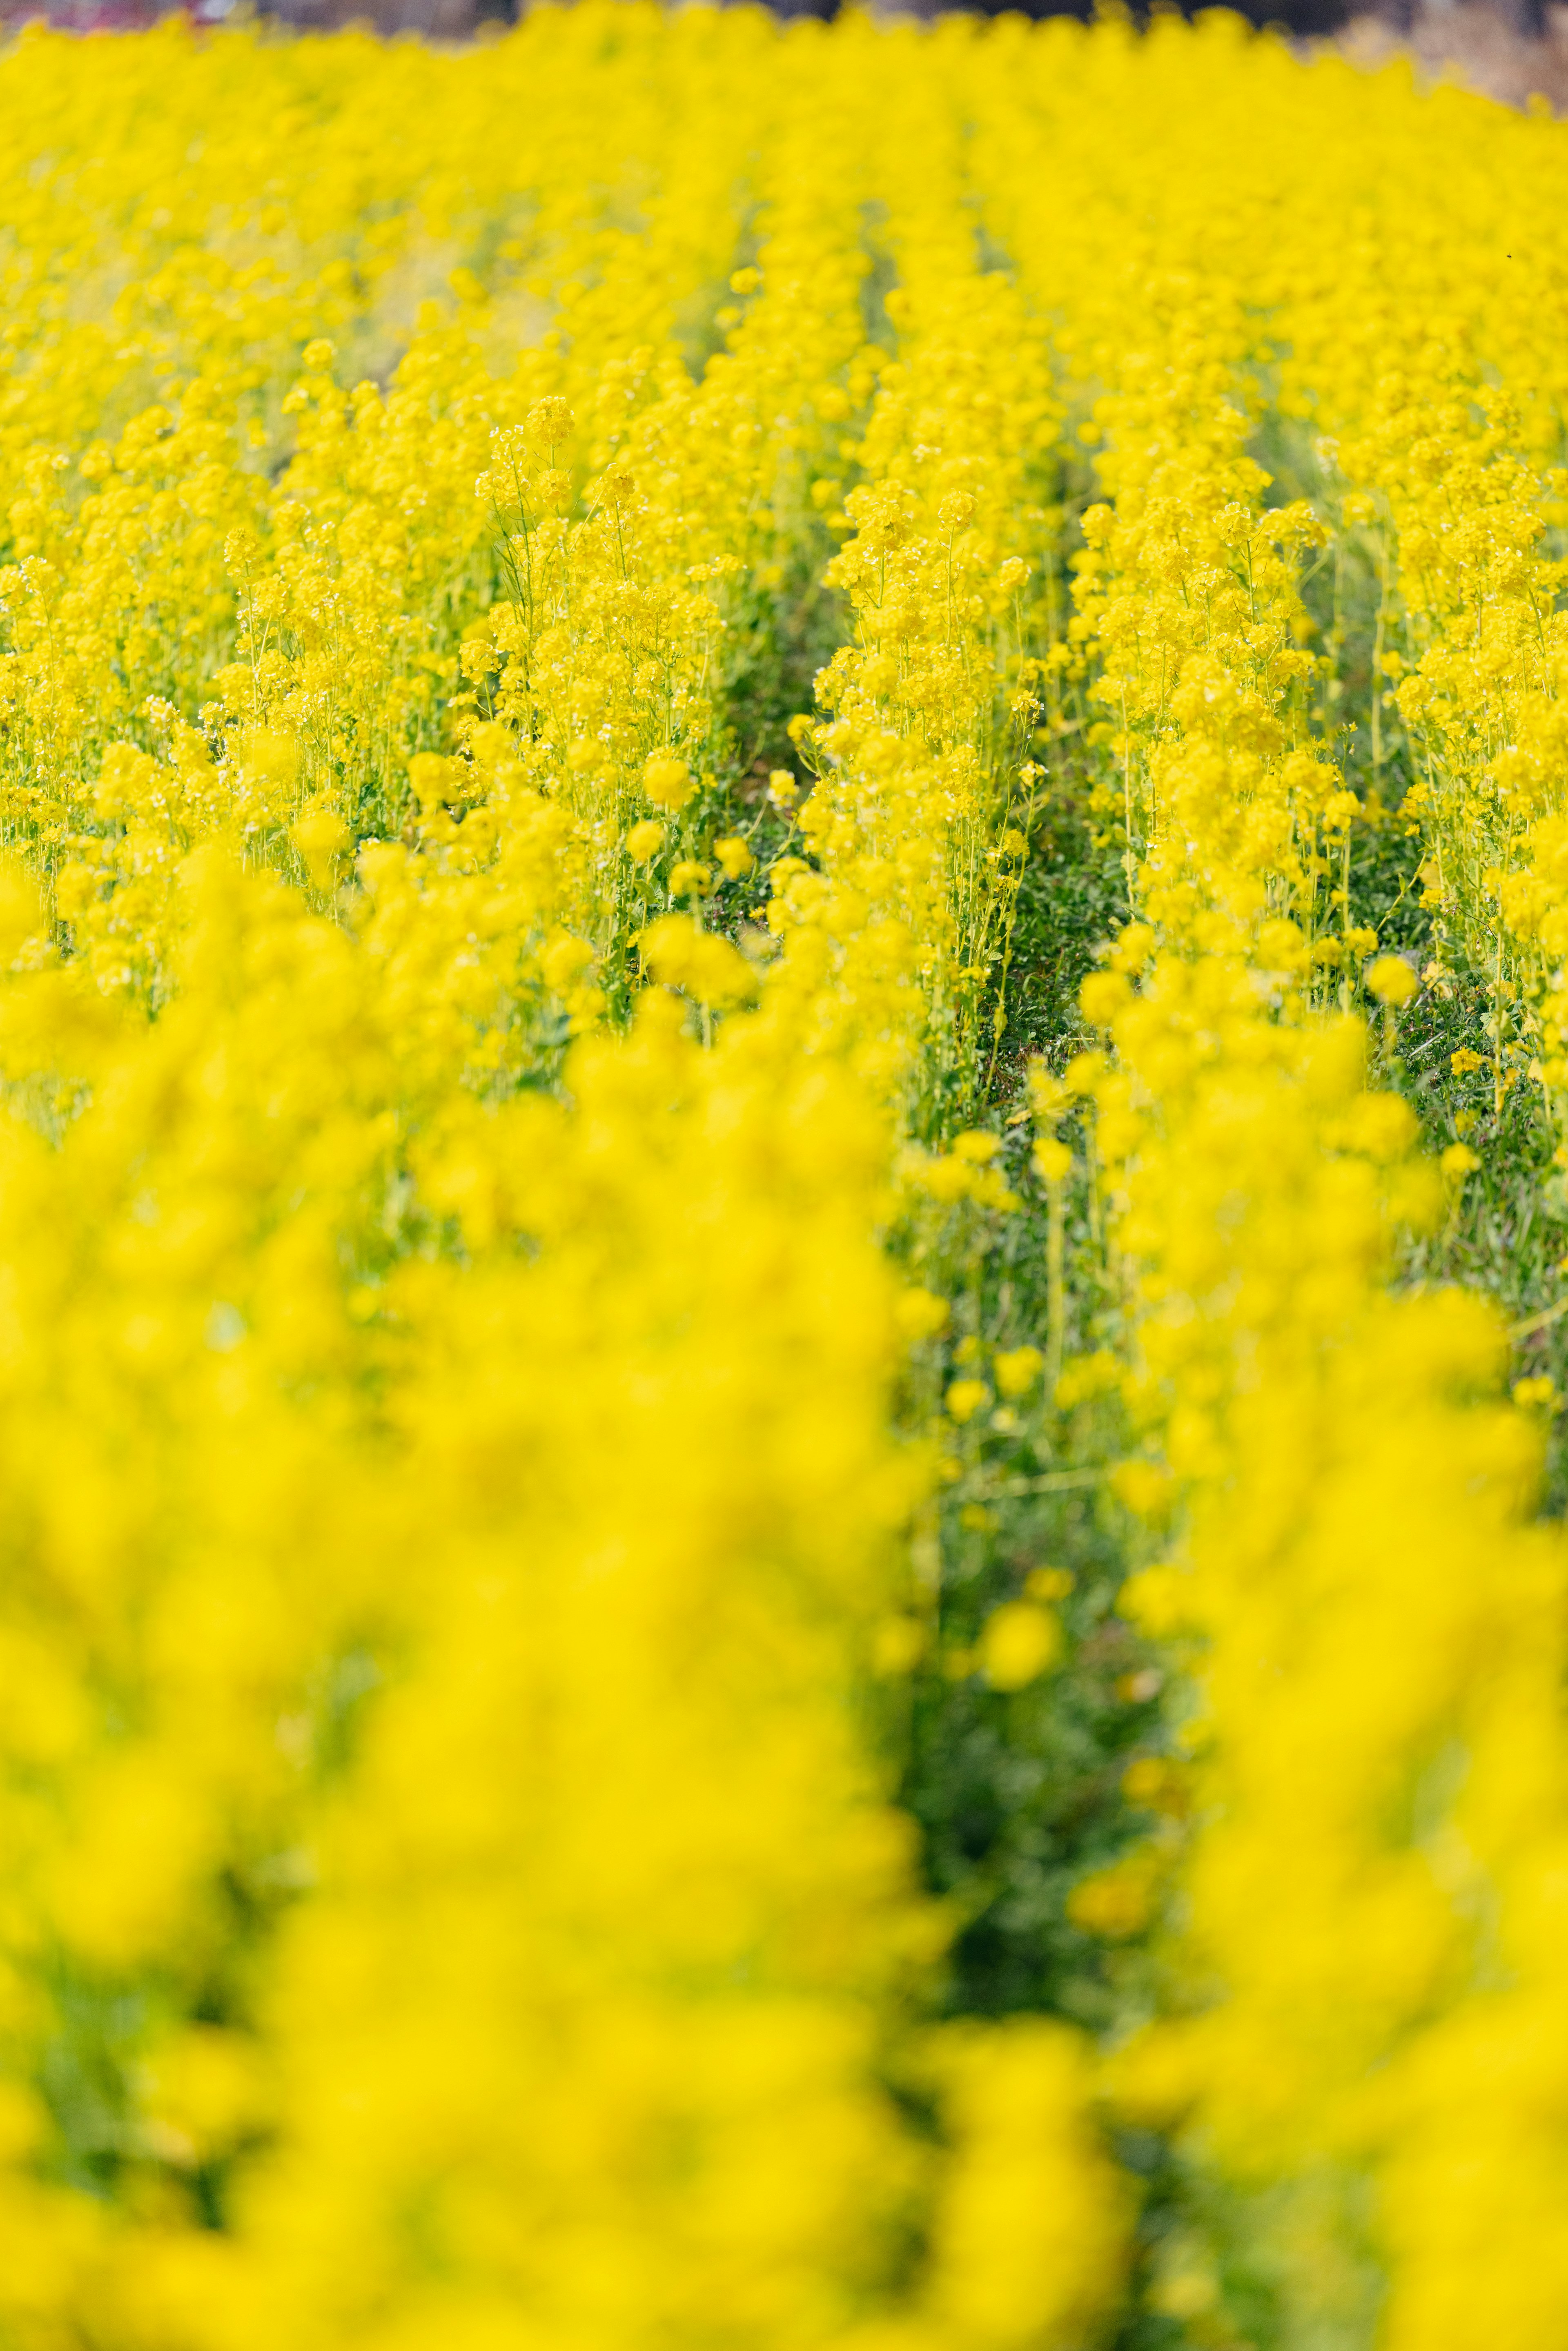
column 1439, row 433
column 550, row 594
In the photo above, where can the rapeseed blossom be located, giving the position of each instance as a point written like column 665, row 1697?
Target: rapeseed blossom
column 555, row 599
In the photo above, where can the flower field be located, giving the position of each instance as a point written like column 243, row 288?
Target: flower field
column 784, row 1196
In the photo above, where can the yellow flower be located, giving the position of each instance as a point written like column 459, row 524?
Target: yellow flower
column 920, row 1314
column 1052, row 1159
column 667, row 781
column 1390, row 980
column 706, row 967
column 964, row 1398
column 1115, row 1902
column 1016, row 1369
column 1019, row 1642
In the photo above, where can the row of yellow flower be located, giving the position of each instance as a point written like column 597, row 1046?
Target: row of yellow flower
column 1368, row 1941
